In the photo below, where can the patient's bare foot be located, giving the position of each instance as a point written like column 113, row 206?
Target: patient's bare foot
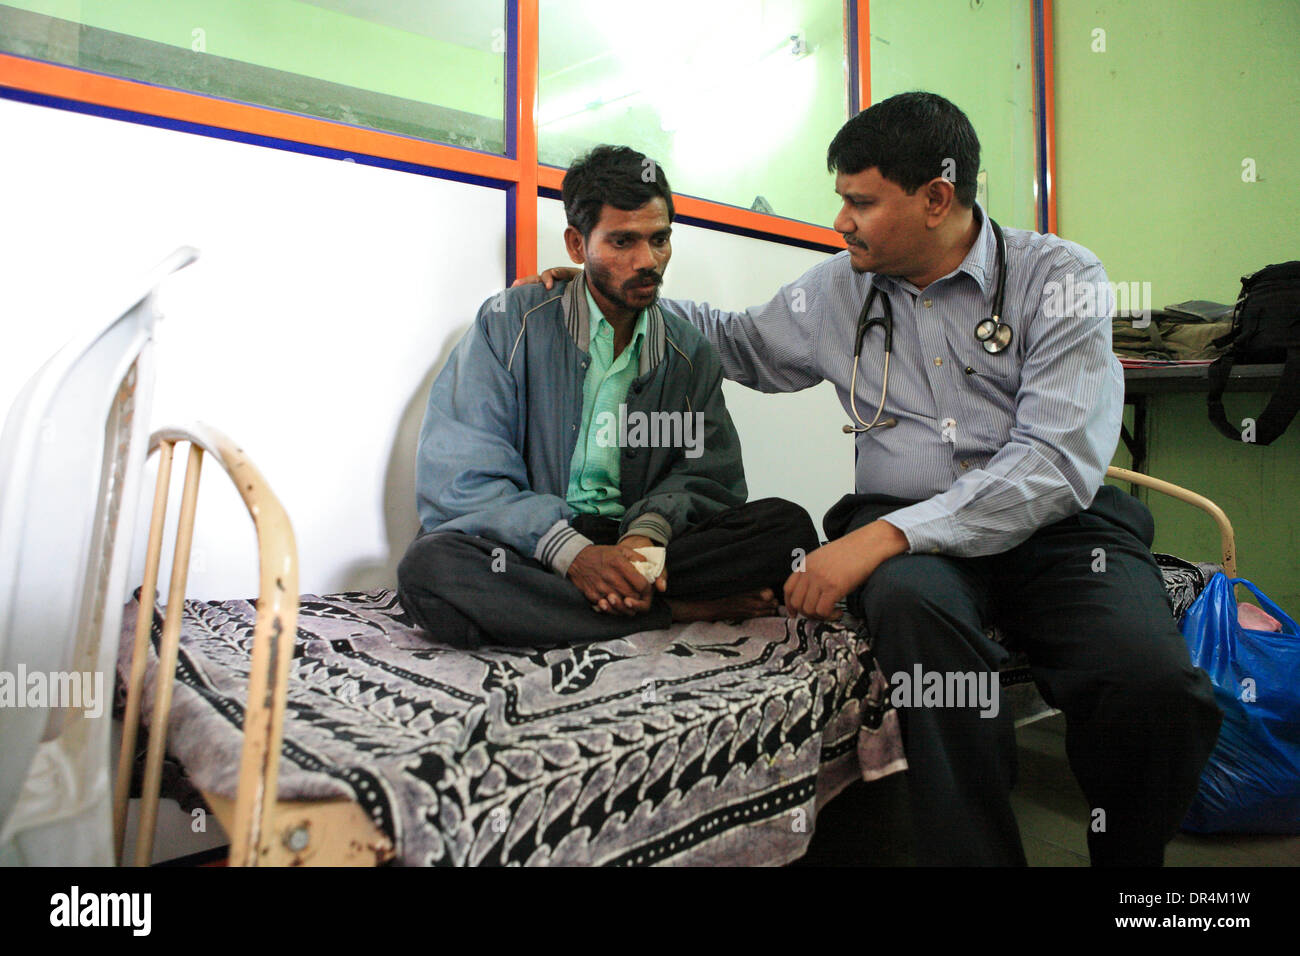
column 736, row 607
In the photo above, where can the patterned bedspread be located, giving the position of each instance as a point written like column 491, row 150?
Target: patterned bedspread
column 707, row 743
column 701, row 744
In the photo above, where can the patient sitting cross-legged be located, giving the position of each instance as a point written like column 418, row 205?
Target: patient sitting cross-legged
column 577, row 438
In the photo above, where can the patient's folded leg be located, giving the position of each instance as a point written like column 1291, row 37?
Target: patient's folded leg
column 739, row 551
column 448, row 580
column 468, row 591
column 732, row 607
column 440, row 619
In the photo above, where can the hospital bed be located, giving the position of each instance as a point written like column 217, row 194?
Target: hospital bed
column 331, row 730
column 711, row 743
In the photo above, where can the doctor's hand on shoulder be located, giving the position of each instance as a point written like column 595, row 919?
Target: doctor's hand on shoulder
column 837, row 569
column 548, row 277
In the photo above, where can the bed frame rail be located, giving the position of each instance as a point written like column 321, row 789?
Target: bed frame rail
column 1227, row 540
column 249, row 825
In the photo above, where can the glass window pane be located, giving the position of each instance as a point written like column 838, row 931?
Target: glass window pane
column 430, row 70
column 717, row 92
column 982, row 60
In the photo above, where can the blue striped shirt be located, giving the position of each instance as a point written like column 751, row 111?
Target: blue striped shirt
column 992, row 447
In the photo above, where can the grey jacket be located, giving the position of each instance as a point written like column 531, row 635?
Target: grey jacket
column 504, row 414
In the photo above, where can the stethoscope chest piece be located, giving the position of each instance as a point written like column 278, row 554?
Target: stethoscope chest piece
column 994, row 335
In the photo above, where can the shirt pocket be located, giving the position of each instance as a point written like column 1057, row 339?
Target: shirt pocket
column 998, row 369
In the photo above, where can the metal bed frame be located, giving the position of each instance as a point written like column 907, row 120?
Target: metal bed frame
column 263, row 831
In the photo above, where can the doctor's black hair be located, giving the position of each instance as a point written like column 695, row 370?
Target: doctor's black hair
column 615, row 176
column 907, row 138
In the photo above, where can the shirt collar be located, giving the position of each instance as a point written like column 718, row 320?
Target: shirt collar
column 981, row 260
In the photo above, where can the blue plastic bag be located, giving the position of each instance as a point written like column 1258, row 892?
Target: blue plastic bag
column 1252, row 781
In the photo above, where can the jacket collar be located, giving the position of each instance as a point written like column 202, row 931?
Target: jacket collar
column 577, row 319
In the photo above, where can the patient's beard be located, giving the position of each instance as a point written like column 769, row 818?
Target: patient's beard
column 600, row 281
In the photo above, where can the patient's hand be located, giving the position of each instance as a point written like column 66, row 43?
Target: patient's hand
column 631, row 543
column 605, row 576
column 549, row 277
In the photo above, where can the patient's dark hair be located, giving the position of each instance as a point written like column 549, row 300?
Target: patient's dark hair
column 907, row 137
column 611, row 176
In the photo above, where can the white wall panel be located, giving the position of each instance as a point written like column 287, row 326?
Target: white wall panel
column 793, row 447
column 327, row 295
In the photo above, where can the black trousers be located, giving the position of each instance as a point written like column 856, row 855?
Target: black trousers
column 1084, row 599
column 468, row 591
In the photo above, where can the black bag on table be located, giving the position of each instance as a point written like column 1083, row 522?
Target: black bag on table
column 1265, row 329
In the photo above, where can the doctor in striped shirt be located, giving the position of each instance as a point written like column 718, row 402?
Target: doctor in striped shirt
column 984, row 504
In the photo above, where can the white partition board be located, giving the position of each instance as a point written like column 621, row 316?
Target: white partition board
column 327, row 295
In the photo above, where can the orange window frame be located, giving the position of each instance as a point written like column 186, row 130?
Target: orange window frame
column 518, row 172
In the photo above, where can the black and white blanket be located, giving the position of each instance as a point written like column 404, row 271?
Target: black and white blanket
column 709, row 743
column 701, row 744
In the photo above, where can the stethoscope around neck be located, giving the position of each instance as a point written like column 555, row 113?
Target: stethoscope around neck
column 992, row 333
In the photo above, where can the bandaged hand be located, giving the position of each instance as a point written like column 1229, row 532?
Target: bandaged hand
column 605, row 576
column 634, row 545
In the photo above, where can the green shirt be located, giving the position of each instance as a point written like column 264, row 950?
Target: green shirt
column 594, row 471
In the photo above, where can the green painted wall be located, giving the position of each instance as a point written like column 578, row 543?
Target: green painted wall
column 981, row 59
column 1151, row 136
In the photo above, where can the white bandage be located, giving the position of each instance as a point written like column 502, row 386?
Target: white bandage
column 653, row 564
